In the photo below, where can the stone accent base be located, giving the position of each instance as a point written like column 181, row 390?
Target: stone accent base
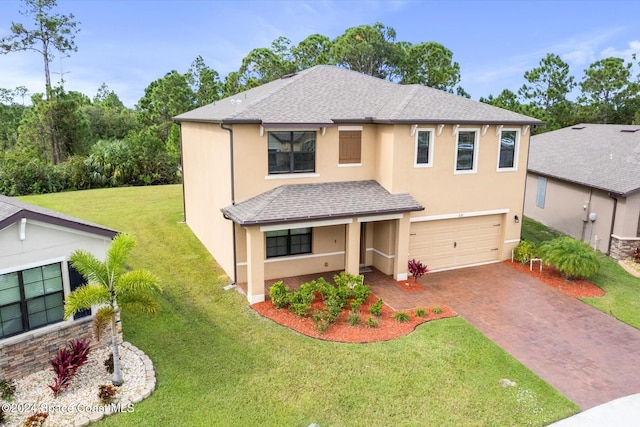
column 31, row 351
column 622, row 247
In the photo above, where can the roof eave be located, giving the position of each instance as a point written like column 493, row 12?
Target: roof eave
column 585, row 184
column 61, row 222
column 240, row 222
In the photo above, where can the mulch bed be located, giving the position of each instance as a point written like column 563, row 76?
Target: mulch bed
column 387, row 329
column 579, row 288
column 410, row 285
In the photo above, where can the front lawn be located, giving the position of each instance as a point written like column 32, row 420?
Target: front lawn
column 221, row 364
column 622, row 290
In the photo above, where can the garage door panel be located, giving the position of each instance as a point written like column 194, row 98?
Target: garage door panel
column 456, row 242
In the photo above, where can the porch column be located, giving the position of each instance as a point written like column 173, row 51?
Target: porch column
column 401, row 259
column 255, row 265
column 352, row 248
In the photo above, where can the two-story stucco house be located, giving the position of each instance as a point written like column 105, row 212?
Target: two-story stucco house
column 329, row 169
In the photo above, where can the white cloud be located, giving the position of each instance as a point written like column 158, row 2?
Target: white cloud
column 626, row 54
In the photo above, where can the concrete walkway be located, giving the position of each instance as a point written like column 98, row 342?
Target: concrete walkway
column 588, row 356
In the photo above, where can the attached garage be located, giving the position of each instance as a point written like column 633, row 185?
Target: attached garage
column 450, row 243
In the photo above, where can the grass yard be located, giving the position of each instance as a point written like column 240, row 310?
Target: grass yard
column 218, row 363
column 622, row 298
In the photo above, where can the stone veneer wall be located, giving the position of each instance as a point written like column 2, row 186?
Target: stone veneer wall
column 32, row 351
column 622, row 248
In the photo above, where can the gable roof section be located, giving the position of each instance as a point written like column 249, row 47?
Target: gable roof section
column 324, row 95
column 308, row 202
column 606, row 157
column 12, row 211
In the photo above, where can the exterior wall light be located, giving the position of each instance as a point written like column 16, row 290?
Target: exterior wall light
column 516, row 219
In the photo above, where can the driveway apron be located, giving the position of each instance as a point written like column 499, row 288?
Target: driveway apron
column 588, row 356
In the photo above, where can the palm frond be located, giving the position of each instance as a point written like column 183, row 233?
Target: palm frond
column 84, row 298
column 118, row 251
column 89, row 266
column 101, row 321
column 137, row 281
column 141, row 302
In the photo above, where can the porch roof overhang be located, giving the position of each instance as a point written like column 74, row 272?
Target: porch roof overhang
column 312, row 202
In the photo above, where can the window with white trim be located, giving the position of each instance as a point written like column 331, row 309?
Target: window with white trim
column 30, row 299
column 295, row 241
column 424, row 148
column 467, row 151
column 292, row 152
column 508, row 150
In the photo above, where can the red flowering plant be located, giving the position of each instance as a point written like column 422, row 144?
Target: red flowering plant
column 417, row 269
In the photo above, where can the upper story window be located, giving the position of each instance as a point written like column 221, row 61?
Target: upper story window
column 508, row 153
column 467, row 151
column 350, row 145
column 288, row 242
column 292, row 152
column 30, row 299
column 424, row 148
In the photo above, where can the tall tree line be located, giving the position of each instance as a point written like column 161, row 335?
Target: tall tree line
column 64, row 140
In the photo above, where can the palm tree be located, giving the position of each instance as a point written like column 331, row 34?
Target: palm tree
column 111, row 285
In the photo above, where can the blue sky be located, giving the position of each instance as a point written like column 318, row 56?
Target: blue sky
column 127, row 44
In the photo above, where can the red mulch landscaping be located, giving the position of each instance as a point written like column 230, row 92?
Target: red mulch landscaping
column 579, row 288
column 387, row 329
column 410, row 285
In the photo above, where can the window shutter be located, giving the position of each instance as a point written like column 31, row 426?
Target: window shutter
column 350, row 146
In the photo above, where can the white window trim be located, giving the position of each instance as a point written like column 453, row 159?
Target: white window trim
column 349, row 128
column 431, row 144
column 292, row 175
column 476, row 152
column 516, row 150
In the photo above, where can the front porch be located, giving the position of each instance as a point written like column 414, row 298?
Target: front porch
column 382, row 285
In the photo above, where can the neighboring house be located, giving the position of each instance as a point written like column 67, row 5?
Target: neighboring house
column 584, row 181
column 329, row 169
column 35, row 277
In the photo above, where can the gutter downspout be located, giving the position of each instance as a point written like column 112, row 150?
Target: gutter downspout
column 233, row 202
column 613, row 222
column 184, row 202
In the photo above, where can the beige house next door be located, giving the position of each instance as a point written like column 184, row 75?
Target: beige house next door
column 449, row 243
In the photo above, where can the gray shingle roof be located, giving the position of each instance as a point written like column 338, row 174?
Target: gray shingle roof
column 307, row 202
column 325, row 94
column 600, row 156
column 13, row 210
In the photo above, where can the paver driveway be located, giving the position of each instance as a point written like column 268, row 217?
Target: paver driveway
column 587, row 355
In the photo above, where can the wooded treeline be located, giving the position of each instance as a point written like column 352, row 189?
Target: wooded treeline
column 64, row 140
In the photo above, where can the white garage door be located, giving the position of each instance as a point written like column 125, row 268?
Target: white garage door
column 456, row 242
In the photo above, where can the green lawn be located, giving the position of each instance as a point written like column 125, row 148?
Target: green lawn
column 622, row 298
column 220, row 364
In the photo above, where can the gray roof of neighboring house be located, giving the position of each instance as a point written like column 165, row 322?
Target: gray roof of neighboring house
column 307, row 202
column 13, row 210
column 323, row 95
column 606, row 157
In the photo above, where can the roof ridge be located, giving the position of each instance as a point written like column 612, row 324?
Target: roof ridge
column 412, row 90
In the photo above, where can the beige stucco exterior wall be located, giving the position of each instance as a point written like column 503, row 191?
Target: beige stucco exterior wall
column 388, row 153
column 568, row 205
column 207, row 188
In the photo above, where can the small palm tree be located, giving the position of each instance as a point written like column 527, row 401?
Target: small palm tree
column 111, row 285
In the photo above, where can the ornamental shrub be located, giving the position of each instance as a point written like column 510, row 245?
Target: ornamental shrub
column 401, row 316
column 279, row 294
column 573, row 258
column 524, row 252
column 417, row 269
column 66, row 363
column 376, row 308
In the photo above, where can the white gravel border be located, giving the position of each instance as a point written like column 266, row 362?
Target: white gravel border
column 79, row 404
